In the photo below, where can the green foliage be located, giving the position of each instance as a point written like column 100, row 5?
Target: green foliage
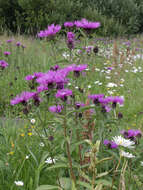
column 29, row 16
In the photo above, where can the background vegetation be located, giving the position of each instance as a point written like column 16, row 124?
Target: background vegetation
column 117, row 17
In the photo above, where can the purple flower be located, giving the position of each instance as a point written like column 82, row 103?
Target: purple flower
column 96, row 98
column 69, row 24
column 131, row 133
column 9, row 41
column 114, row 100
column 22, row 98
column 50, row 32
column 110, row 144
column 70, row 40
column 87, row 24
column 7, row 53
column 63, row 94
column 18, row 44
column 41, row 88
column 79, row 104
column 78, row 68
column 56, row 109
column 3, row 64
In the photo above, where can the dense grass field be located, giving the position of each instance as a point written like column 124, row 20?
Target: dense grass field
column 44, row 147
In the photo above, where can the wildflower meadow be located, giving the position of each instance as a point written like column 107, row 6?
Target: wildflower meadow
column 71, row 110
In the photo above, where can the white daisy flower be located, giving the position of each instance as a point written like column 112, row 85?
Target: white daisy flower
column 111, row 84
column 89, row 86
column 141, row 163
column 127, row 154
column 119, row 140
column 19, row 183
column 50, row 161
column 33, row 121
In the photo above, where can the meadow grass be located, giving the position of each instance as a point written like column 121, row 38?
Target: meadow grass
column 115, row 70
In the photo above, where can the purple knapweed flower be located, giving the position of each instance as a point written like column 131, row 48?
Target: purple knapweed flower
column 131, row 133
column 56, row 109
column 70, row 40
column 23, row 98
column 95, row 98
column 78, row 68
column 7, row 53
column 110, row 144
column 115, row 100
column 87, row 24
column 3, row 64
column 41, row 88
column 79, row 104
column 9, row 41
column 63, row 94
column 50, row 32
column 68, row 24
column 18, row 44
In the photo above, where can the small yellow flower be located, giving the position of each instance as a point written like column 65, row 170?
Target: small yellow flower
column 22, row 134
column 29, row 134
column 11, row 153
column 32, row 126
column 12, row 144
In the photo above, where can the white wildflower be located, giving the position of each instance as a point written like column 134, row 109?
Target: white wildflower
column 33, row 121
column 119, row 140
column 50, row 160
column 127, row 154
column 19, row 183
column 141, row 163
column 111, row 84
column 42, row 144
column 89, row 86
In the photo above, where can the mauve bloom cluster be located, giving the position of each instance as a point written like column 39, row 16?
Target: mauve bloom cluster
column 86, row 24
column 70, row 40
column 9, row 41
column 3, row 64
column 69, row 24
column 56, row 109
column 18, row 44
column 79, row 104
column 63, row 94
column 34, row 76
column 98, row 99
column 110, row 144
column 131, row 134
column 23, row 98
column 50, row 31
column 7, row 53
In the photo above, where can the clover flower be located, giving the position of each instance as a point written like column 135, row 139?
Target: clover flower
column 120, row 141
column 18, row 44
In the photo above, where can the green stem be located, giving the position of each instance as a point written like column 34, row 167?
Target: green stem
column 68, row 153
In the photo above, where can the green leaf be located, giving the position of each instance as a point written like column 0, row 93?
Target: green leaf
column 65, row 183
column 58, row 166
column 99, row 186
column 102, row 174
column 47, row 187
column 84, row 184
